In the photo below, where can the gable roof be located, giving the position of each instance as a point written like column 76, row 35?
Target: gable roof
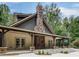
column 23, row 20
column 28, row 18
column 21, row 15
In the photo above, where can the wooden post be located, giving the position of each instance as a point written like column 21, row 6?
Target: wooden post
column 54, row 42
column 63, row 42
column 32, row 43
column 68, row 43
column 3, row 41
column 32, row 39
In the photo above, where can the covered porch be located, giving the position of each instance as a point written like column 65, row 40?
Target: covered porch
column 61, row 42
column 38, row 38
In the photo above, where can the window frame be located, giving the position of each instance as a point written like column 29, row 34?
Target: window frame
column 21, row 42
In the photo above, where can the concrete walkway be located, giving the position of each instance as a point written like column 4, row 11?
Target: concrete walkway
column 15, row 52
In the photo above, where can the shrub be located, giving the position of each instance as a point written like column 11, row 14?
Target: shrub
column 61, row 52
column 76, row 44
column 42, row 51
column 39, row 52
column 66, row 52
column 47, row 53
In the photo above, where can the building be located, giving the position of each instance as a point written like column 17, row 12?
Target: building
column 29, row 30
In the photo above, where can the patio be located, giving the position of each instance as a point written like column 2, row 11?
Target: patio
column 55, row 53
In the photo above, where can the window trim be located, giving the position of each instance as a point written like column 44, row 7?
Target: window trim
column 21, row 45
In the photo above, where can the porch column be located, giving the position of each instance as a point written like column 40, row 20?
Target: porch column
column 54, row 42
column 63, row 42
column 69, row 42
column 32, row 39
column 32, row 48
column 3, row 41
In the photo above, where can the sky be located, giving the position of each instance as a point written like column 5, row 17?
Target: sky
column 67, row 8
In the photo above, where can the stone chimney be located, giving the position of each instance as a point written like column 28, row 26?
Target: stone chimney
column 39, row 8
column 39, row 21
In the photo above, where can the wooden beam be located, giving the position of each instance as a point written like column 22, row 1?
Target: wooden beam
column 6, row 31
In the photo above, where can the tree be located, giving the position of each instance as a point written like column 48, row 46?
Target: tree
column 53, row 17
column 4, row 14
column 66, row 27
column 74, row 27
column 71, row 27
column 11, row 19
column 5, row 17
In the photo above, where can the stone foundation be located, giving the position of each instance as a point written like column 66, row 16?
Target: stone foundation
column 3, row 49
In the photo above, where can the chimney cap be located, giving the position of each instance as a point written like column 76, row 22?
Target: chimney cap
column 39, row 6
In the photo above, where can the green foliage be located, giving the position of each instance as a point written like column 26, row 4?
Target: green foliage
column 76, row 43
column 66, row 52
column 53, row 16
column 11, row 19
column 74, row 28
column 62, row 26
column 42, row 51
column 4, row 14
column 39, row 52
column 6, row 18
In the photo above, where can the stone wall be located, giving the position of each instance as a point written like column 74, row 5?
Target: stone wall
column 10, row 39
column 47, row 38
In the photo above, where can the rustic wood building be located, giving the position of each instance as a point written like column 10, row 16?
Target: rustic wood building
column 29, row 30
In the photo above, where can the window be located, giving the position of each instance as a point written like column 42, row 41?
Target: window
column 17, row 42
column 50, row 43
column 20, row 42
column 66, row 42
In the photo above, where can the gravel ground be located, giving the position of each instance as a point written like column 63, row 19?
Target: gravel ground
column 74, row 54
column 56, row 53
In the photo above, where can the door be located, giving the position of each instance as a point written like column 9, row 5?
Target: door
column 59, row 43
column 39, row 42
